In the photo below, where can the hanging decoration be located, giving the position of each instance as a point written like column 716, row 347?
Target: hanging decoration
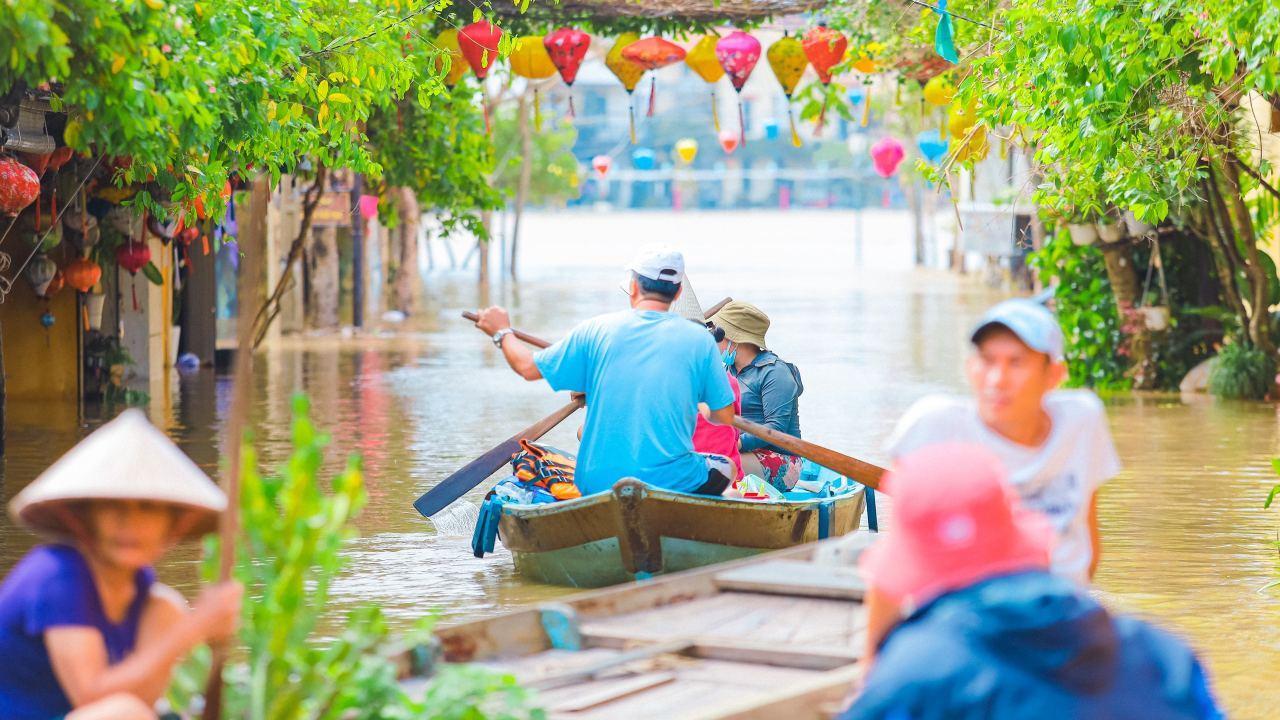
column 932, row 147
column 567, row 48
column 944, row 41
column 653, row 53
column 19, row 186
column 479, row 45
column 939, row 92
column 702, row 59
column 530, row 60
column 687, row 150
column 867, row 62
column 39, row 226
column 788, row 61
column 728, row 141
column 47, row 320
column 886, row 155
column 54, row 286
column 627, row 72
column 602, row 163
column 59, row 157
column 39, row 162
column 770, row 127
column 82, row 274
column 133, row 255
column 973, row 147
column 738, row 54
column 825, row 49
column 40, row 272
column 447, row 41
column 960, row 119
column 643, row 158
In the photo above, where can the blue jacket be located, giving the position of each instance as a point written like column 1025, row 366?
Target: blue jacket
column 1031, row 645
column 770, row 396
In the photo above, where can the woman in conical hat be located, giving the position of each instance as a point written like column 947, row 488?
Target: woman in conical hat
column 85, row 629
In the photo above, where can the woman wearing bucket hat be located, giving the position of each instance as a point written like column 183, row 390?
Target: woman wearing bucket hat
column 965, row 620
column 771, row 391
column 85, row 629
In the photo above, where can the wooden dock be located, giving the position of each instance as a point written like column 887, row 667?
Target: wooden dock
column 777, row 635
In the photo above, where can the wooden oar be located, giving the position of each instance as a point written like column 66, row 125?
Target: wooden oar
column 474, row 472
column 850, row 467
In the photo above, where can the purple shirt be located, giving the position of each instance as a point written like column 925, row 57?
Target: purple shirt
column 51, row 587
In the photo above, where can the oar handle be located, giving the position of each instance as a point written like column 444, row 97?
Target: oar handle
column 851, row 467
column 522, row 335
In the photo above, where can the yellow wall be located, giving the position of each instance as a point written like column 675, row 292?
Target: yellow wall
column 40, row 364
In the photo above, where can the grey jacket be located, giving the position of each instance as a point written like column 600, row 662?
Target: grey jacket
column 770, row 396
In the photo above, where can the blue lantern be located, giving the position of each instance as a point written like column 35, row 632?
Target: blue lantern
column 643, row 158
column 771, row 129
column 932, row 147
column 47, row 320
column 856, row 94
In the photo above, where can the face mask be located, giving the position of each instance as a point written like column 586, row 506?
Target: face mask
column 730, row 355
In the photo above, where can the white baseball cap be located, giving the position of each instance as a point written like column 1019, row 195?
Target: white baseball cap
column 659, row 263
column 1030, row 321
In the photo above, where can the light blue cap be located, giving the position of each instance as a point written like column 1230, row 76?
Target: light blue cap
column 1030, row 321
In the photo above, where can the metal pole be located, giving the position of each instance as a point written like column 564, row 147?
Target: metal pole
column 357, row 253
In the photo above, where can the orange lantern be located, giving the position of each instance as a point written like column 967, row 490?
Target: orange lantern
column 82, row 274
column 825, row 49
column 651, row 54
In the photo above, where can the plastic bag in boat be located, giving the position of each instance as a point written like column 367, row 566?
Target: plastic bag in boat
column 547, row 468
column 513, row 491
column 758, row 485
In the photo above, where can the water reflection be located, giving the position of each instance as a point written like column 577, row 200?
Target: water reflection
column 1184, row 530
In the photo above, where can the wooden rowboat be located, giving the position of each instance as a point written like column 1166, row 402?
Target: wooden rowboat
column 777, row 635
column 636, row 531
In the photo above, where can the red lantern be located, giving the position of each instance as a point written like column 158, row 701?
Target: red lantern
column 602, row 163
column 19, row 186
column 133, row 256
column 728, row 141
column 479, row 45
column 36, row 161
column 738, row 54
column 653, row 53
column 567, row 48
column 82, row 274
column 825, row 49
column 60, row 157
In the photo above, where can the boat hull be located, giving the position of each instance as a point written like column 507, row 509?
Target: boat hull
column 636, row 531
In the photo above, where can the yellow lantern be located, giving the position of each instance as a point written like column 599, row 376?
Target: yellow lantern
column 939, row 91
column 702, row 59
column 529, row 59
column 687, row 150
column 448, row 41
column 960, row 119
column 866, row 59
column 629, row 73
column 975, row 148
column 788, row 61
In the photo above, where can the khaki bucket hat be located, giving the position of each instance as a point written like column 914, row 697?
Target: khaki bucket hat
column 742, row 323
column 125, row 459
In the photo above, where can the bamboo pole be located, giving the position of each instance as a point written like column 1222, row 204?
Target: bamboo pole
column 251, row 241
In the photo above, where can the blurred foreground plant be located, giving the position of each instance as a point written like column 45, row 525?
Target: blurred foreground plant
column 289, row 555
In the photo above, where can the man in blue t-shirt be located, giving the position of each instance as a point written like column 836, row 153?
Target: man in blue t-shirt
column 643, row 371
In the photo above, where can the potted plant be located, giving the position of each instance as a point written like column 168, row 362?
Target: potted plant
column 1083, row 232
column 1136, row 227
column 1110, row 228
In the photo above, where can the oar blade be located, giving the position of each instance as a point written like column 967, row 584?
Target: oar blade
column 466, row 478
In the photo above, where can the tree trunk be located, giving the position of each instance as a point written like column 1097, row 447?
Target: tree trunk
column 482, row 249
column 271, row 306
column 1127, row 291
column 522, row 185
column 322, row 306
column 1260, row 320
column 407, row 273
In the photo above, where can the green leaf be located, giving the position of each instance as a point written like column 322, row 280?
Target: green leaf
column 153, row 273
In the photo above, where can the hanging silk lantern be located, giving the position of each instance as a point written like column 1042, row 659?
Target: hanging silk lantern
column 687, row 150
column 866, row 60
column 447, row 41
column 39, row 162
column 54, row 286
column 627, row 72
column 886, row 155
column 19, row 186
column 728, row 140
column 825, row 49
column 932, row 147
column 788, row 62
column 702, row 59
column 82, row 274
column 770, row 129
column 479, row 45
column 602, row 163
column 653, row 53
column 40, row 272
column 939, row 92
column 133, row 255
column 960, row 119
column 738, row 54
column 529, row 58
column 973, row 148
column 567, row 47
column 643, row 159
column 47, row 320
column 60, row 157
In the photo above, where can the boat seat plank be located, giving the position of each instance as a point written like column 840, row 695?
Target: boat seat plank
column 795, row 578
column 609, row 691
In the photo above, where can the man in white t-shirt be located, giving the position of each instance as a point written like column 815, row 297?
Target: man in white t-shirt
column 1055, row 444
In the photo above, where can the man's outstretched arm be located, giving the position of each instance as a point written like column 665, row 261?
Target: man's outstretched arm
column 517, row 354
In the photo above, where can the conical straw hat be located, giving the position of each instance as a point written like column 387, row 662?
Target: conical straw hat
column 126, row 459
column 687, row 304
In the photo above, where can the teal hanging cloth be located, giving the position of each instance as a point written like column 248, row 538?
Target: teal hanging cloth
column 944, row 41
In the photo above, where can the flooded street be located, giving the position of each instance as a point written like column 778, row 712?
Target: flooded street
column 1186, row 539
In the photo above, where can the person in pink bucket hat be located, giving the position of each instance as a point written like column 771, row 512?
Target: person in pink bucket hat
column 966, row 621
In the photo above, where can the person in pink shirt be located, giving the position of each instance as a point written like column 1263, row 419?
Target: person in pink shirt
column 709, row 437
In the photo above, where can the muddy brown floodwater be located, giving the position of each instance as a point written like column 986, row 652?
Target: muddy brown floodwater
column 1187, row 542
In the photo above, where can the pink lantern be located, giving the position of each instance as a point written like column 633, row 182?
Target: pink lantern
column 886, row 155
column 728, row 141
column 738, row 54
column 368, row 206
column 602, row 163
